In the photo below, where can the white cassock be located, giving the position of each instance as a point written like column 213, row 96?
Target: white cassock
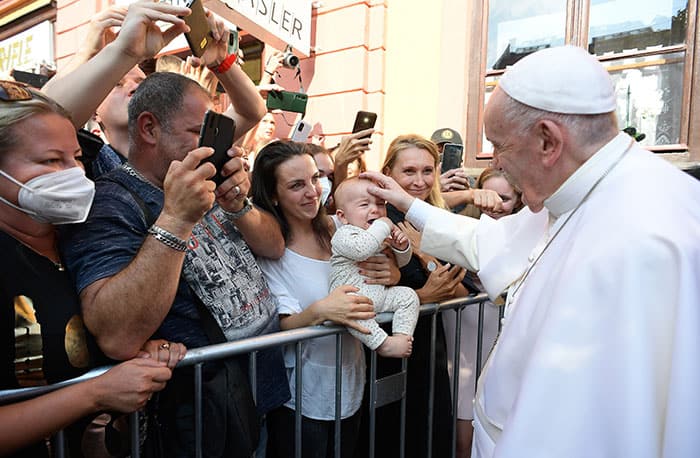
column 599, row 355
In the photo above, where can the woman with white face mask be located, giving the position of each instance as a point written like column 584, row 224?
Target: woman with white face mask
column 42, row 183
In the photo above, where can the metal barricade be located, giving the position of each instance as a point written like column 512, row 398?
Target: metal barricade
column 381, row 392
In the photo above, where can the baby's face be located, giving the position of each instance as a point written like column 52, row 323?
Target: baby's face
column 359, row 207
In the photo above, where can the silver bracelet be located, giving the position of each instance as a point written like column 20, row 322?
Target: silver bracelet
column 247, row 206
column 167, row 238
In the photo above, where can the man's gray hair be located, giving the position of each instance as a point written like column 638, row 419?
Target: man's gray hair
column 162, row 94
column 584, row 128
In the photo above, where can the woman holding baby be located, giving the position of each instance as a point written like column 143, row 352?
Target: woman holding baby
column 286, row 183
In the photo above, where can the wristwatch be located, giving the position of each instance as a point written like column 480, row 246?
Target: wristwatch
column 431, row 266
column 247, row 206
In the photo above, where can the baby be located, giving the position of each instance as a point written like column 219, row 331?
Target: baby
column 365, row 232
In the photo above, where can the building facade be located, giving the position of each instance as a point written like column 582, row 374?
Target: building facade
column 425, row 65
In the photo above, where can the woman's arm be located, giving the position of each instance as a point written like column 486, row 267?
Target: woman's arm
column 124, row 388
column 443, row 283
column 341, row 306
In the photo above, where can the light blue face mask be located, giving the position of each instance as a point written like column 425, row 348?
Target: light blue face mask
column 61, row 197
column 326, row 187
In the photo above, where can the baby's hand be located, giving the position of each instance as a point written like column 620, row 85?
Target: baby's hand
column 398, row 240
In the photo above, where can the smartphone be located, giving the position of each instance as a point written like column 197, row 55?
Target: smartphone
column 217, row 132
column 301, row 131
column 33, row 79
column 364, row 120
column 233, row 41
column 451, row 156
column 199, row 35
column 287, row 101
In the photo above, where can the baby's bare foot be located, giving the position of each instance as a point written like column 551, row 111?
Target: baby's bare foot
column 396, row 346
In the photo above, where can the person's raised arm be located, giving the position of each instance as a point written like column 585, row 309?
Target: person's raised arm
column 100, row 33
column 82, row 90
column 247, row 106
column 351, row 148
column 259, row 229
column 124, row 388
column 483, row 199
column 123, row 311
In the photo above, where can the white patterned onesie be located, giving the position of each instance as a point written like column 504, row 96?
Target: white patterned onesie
column 351, row 244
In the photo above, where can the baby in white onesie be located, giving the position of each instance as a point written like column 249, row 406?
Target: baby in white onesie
column 365, row 232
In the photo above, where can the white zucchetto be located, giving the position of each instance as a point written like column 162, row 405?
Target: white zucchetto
column 565, row 79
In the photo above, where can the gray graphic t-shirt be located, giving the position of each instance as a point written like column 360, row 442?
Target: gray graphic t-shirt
column 222, row 272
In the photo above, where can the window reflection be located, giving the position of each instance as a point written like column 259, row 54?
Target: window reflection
column 649, row 96
column 622, row 25
column 516, row 29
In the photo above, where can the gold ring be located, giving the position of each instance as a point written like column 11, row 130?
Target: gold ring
column 165, row 346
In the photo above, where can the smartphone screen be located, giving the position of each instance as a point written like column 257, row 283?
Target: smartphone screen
column 199, row 35
column 364, row 120
column 451, row 156
column 217, row 132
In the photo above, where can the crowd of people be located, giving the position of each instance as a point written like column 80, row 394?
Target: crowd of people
column 127, row 253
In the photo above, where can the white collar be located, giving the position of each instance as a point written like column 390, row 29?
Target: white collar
column 575, row 188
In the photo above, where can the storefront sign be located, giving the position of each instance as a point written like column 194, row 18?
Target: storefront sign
column 27, row 49
column 276, row 22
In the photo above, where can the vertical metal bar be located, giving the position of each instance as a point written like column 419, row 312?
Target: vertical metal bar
column 372, row 400
column 297, row 402
column 402, row 432
column 253, row 374
column 455, row 376
column 135, row 435
column 338, row 390
column 253, row 379
column 59, row 444
column 198, row 409
column 431, row 382
column 479, row 342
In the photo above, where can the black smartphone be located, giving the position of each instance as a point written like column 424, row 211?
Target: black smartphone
column 33, row 79
column 217, row 132
column 287, row 101
column 199, row 35
column 451, row 156
column 364, row 120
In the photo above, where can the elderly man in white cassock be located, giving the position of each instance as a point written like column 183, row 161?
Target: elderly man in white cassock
column 599, row 355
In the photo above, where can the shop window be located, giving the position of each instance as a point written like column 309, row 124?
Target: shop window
column 642, row 43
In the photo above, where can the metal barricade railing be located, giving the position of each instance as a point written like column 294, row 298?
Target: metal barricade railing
column 378, row 391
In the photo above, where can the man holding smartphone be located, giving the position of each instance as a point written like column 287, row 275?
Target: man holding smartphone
column 165, row 252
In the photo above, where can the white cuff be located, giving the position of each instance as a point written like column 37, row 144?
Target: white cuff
column 418, row 214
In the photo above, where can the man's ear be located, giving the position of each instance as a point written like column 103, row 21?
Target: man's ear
column 550, row 136
column 148, row 128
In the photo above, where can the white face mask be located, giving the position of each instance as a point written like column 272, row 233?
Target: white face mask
column 325, row 189
column 62, row 197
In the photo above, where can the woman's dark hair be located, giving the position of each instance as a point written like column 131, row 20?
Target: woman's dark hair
column 264, row 185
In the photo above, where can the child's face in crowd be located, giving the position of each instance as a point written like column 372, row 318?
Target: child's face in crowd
column 507, row 193
column 298, row 189
column 414, row 171
column 357, row 206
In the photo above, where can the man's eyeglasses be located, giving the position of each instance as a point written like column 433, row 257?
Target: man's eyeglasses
column 11, row 91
